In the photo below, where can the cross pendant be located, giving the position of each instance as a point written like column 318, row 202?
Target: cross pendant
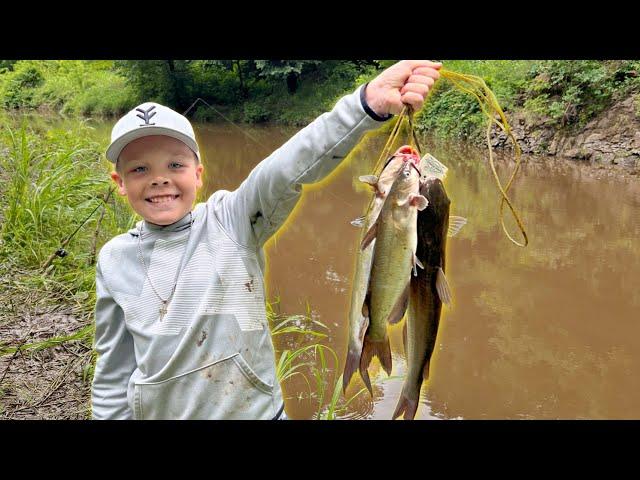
column 163, row 310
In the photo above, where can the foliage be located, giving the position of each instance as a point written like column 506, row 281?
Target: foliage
column 69, row 86
column 573, row 92
column 53, row 182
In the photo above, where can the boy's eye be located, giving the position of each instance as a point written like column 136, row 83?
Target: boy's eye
column 139, row 169
column 175, row 165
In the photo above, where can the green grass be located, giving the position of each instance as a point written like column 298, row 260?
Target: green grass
column 53, row 182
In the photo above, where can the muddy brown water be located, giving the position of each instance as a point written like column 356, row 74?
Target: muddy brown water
column 543, row 332
column 547, row 331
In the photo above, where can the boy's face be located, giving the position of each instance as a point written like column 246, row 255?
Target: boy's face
column 160, row 177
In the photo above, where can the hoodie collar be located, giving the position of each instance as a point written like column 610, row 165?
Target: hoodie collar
column 183, row 224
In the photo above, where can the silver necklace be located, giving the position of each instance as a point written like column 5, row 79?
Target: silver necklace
column 164, row 306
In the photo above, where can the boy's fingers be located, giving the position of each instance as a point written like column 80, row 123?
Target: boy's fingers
column 427, row 72
column 421, row 79
column 414, row 99
column 419, row 88
column 413, row 64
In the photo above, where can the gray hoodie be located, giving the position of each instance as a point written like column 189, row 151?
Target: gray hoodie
column 211, row 355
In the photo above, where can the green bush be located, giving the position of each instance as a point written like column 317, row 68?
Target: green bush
column 572, row 92
column 18, row 87
column 255, row 113
column 69, row 86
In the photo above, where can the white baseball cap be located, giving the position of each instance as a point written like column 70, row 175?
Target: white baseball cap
column 150, row 119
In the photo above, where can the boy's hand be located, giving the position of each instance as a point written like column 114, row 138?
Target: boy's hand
column 407, row 82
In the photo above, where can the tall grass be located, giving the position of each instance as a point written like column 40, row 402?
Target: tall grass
column 51, row 183
column 308, row 357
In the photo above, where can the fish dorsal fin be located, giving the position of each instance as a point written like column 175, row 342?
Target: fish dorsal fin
column 358, row 222
column 368, row 238
column 442, row 286
column 455, row 225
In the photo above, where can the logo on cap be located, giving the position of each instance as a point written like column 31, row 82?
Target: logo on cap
column 145, row 115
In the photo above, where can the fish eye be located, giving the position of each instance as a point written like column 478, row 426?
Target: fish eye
column 406, row 173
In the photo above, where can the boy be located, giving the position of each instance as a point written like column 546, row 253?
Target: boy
column 181, row 329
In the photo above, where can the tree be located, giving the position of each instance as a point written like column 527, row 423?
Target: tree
column 162, row 81
column 287, row 70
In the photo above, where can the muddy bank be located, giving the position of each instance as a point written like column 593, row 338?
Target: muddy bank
column 51, row 383
column 610, row 139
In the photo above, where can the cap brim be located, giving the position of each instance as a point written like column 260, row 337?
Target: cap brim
column 116, row 147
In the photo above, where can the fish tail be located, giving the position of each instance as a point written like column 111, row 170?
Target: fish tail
column 353, row 359
column 384, row 354
column 380, row 349
column 365, row 361
column 406, row 406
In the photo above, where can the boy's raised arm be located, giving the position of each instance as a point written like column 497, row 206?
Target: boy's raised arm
column 261, row 204
column 116, row 358
column 267, row 196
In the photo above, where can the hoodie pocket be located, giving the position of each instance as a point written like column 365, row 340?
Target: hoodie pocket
column 227, row 388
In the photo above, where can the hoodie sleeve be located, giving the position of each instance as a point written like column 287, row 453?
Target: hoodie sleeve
column 261, row 204
column 116, row 358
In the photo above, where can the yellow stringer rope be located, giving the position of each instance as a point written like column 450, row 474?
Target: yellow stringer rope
column 490, row 107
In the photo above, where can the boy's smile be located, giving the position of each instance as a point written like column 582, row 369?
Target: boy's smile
column 160, row 177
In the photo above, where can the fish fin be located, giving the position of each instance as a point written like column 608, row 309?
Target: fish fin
column 380, row 349
column 369, row 180
column 365, row 305
column 365, row 361
column 404, row 338
column 353, row 356
column 406, row 406
column 372, row 180
column 416, row 262
column 442, row 286
column 414, row 200
column 368, row 238
column 419, row 201
column 455, row 225
column 384, row 354
column 400, row 307
column 350, row 366
column 358, row 222
column 425, row 370
column 364, row 374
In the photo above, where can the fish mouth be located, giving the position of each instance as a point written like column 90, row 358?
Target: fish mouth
column 162, row 199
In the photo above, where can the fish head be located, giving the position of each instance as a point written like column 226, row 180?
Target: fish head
column 405, row 189
column 389, row 174
column 439, row 203
column 433, row 189
column 407, row 180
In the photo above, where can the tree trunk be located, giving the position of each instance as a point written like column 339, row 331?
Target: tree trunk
column 292, row 82
column 243, row 88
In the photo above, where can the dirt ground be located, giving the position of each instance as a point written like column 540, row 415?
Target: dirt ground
column 45, row 384
column 53, row 383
